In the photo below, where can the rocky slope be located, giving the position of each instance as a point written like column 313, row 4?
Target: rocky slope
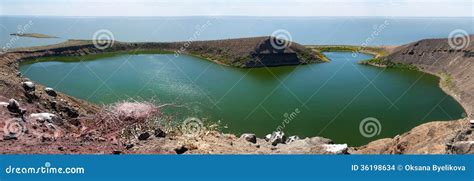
column 254, row 52
column 455, row 67
column 242, row 52
column 437, row 57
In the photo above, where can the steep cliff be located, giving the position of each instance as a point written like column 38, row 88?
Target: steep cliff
column 455, row 66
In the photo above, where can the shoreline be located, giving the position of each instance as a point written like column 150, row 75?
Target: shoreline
column 380, row 52
column 23, row 54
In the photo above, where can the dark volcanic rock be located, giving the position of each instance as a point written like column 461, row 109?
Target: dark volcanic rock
column 28, row 86
column 180, row 150
column 9, row 137
column 13, row 106
column 144, row 136
column 277, row 137
column 50, row 92
column 159, row 133
column 249, row 137
column 71, row 112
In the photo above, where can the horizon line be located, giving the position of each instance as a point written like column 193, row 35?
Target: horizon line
column 296, row 16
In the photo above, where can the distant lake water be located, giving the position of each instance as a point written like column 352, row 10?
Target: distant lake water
column 304, row 30
column 325, row 99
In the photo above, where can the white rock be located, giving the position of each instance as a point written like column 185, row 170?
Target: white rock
column 42, row 117
column 277, row 137
column 4, row 104
column 292, row 139
column 472, row 121
column 50, row 91
column 267, row 137
column 249, row 137
column 336, row 148
column 29, row 86
column 13, row 105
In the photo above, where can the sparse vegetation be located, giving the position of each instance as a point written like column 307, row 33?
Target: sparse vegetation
column 94, row 56
column 388, row 64
column 125, row 119
column 446, row 80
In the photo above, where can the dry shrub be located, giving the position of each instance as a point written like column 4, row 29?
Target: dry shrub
column 125, row 116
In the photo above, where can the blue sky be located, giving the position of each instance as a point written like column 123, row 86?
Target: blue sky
column 411, row 8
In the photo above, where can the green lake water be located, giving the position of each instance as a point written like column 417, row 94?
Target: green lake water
column 325, row 99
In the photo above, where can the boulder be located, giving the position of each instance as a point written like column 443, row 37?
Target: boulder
column 13, row 106
column 180, row 150
column 28, row 86
column 267, row 137
column 71, row 112
column 462, row 147
column 472, row 123
column 44, row 117
column 277, row 137
column 53, row 105
column 249, row 137
column 159, row 133
column 144, row 136
column 292, row 139
column 128, row 145
column 50, row 91
column 9, row 137
column 336, row 148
